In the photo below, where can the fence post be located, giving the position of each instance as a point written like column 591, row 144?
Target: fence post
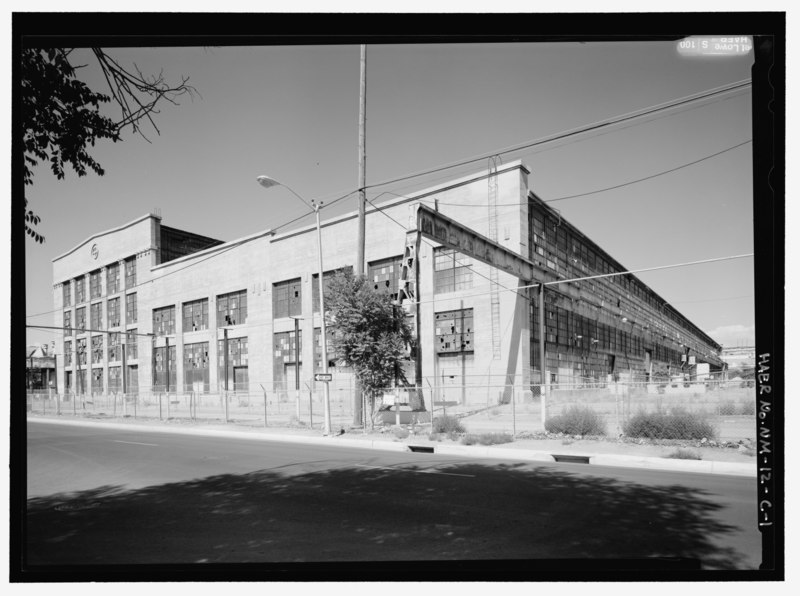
column 543, row 391
column 134, row 406
column 513, row 413
column 225, row 398
column 310, row 408
column 159, row 407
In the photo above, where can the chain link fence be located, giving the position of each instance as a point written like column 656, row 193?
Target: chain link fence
column 712, row 410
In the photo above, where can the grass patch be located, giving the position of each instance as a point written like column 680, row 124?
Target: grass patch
column 487, row 439
column 677, row 424
column 577, row 420
column 684, row 454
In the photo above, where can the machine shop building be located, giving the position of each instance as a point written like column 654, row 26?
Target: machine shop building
column 153, row 307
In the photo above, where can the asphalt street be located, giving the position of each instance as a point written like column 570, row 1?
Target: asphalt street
column 103, row 496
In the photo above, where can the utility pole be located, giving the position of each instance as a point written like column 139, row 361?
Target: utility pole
column 362, row 201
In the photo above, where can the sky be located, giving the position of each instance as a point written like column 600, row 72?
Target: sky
column 292, row 113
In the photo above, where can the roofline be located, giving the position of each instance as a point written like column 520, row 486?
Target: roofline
column 516, row 164
column 106, row 232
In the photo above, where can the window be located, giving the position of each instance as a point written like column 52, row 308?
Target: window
column 80, row 290
column 68, row 322
column 318, row 349
column 454, row 331
column 285, row 349
column 237, row 364
column 286, row 299
column 67, row 353
column 112, row 312
column 112, row 279
column 285, row 358
column 195, row 367
column 66, row 290
column 163, row 380
column 164, row 320
column 97, row 349
column 452, row 271
column 131, row 315
column 81, row 349
column 114, row 379
column 130, row 272
column 96, row 316
column 327, row 277
column 80, row 318
column 131, row 345
column 114, row 347
column 232, row 309
column 95, row 287
column 385, row 275
column 97, row 380
column 195, row 315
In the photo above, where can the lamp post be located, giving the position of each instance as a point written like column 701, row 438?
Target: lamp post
column 268, row 182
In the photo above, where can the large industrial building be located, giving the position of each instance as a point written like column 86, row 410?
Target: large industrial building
column 175, row 300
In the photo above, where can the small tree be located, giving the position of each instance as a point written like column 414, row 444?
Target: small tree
column 370, row 333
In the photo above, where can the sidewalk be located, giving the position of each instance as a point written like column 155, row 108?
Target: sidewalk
column 714, row 460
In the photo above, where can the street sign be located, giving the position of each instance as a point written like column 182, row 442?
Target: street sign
column 324, row 377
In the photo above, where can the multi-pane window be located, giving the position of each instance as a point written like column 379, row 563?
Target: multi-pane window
column 131, row 315
column 195, row 315
column 164, row 320
column 95, row 287
column 195, row 366
column 385, row 275
column 327, row 278
column 284, row 345
column 97, row 349
column 66, row 290
column 67, row 353
column 67, row 322
column 232, row 309
column 80, row 318
column 452, row 271
column 131, row 345
column 454, row 331
column 112, row 279
column 114, row 379
column 97, row 380
column 287, row 299
column 97, row 316
column 112, row 312
column 81, row 350
column 80, row 290
column 114, row 347
column 237, row 363
column 163, row 381
column 130, row 272
column 318, row 349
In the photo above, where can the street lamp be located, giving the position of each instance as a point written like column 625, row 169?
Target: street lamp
column 268, row 182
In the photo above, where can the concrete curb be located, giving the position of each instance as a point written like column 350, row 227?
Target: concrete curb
column 622, row 461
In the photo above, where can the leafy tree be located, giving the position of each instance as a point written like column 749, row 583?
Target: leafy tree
column 370, row 333
column 61, row 115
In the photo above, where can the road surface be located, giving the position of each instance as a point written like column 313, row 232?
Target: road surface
column 103, row 496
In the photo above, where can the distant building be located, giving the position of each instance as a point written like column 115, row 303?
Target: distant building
column 197, row 314
column 40, row 368
column 740, row 357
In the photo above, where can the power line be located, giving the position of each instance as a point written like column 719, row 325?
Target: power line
column 580, row 130
column 592, row 192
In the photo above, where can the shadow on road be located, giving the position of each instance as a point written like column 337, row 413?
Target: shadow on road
column 477, row 512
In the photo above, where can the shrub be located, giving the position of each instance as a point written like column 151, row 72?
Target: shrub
column 447, row 425
column 677, row 424
column 684, row 454
column 576, row 421
column 487, row 439
column 400, row 432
